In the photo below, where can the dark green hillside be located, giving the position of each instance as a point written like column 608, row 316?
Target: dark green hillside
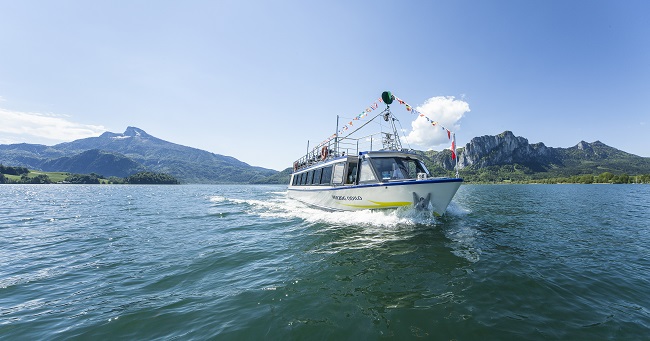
column 281, row 178
column 94, row 161
column 597, row 157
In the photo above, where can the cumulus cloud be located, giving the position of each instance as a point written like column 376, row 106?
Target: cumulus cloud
column 447, row 111
column 16, row 127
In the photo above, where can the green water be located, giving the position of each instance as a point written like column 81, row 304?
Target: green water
column 519, row 262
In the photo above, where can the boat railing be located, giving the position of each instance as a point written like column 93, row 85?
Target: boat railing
column 337, row 147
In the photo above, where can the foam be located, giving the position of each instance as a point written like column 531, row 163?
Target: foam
column 280, row 206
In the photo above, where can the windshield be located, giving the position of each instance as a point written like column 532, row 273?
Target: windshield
column 394, row 168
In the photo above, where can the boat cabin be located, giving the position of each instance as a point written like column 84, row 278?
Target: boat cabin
column 366, row 168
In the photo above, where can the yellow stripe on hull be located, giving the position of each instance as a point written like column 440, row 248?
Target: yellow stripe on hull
column 380, row 204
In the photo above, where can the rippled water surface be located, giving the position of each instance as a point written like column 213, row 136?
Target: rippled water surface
column 534, row 262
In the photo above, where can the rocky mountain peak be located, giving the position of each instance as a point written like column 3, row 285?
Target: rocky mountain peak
column 582, row 145
column 504, row 148
column 135, row 132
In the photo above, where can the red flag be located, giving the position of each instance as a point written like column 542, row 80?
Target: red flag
column 448, row 134
column 453, row 149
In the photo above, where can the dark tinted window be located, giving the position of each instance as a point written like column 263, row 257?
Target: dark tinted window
column 303, row 178
column 352, row 173
column 327, row 176
column 317, row 174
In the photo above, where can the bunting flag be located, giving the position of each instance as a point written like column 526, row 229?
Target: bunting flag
column 409, row 108
column 433, row 123
column 346, row 127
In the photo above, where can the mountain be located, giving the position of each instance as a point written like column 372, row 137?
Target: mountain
column 112, row 154
column 484, row 158
column 505, row 150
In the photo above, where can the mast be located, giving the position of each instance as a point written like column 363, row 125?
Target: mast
column 336, row 137
column 454, row 153
column 391, row 141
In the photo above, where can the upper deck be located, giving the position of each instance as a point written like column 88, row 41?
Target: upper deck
column 358, row 138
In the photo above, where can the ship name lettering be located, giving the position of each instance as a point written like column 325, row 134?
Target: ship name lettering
column 349, row 197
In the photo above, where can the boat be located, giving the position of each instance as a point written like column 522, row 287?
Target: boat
column 343, row 173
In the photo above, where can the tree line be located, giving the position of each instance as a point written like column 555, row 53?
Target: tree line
column 13, row 170
column 92, row 178
column 603, row 178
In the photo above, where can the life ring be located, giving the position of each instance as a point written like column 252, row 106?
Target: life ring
column 323, row 153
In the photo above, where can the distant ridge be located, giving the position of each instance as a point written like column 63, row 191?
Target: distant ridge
column 112, row 154
column 507, row 149
column 89, row 161
column 132, row 151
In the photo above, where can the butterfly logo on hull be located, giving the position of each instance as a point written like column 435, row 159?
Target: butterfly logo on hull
column 421, row 203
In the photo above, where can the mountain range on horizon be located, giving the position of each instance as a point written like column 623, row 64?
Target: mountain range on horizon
column 113, row 154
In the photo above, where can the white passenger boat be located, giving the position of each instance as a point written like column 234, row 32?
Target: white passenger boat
column 337, row 175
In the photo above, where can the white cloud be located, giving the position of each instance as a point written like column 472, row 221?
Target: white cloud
column 447, row 111
column 16, row 127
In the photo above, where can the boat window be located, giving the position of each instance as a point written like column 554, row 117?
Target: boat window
column 303, row 178
column 326, row 178
column 352, row 173
column 294, row 179
column 365, row 172
column 317, row 175
column 337, row 177
column 395, row 168
column 310, row 176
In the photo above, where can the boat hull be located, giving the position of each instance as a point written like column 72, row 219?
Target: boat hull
column 434, row 194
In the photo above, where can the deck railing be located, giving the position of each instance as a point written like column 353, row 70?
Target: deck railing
column 341, row 146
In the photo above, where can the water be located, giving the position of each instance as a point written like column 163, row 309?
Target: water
column 524, row 262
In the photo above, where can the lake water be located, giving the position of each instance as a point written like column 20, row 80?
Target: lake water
column 522, row 262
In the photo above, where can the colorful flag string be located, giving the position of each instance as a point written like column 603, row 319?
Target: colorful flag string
column 348, row 125
column 450, row 135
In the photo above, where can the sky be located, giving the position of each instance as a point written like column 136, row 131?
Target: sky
column 257, row 80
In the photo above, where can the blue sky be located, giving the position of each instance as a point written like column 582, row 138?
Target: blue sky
column 257, row 79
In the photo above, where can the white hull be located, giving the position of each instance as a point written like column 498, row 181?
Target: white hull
column 390, row 195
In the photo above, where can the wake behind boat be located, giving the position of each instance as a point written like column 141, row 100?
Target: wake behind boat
column 343, row 173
